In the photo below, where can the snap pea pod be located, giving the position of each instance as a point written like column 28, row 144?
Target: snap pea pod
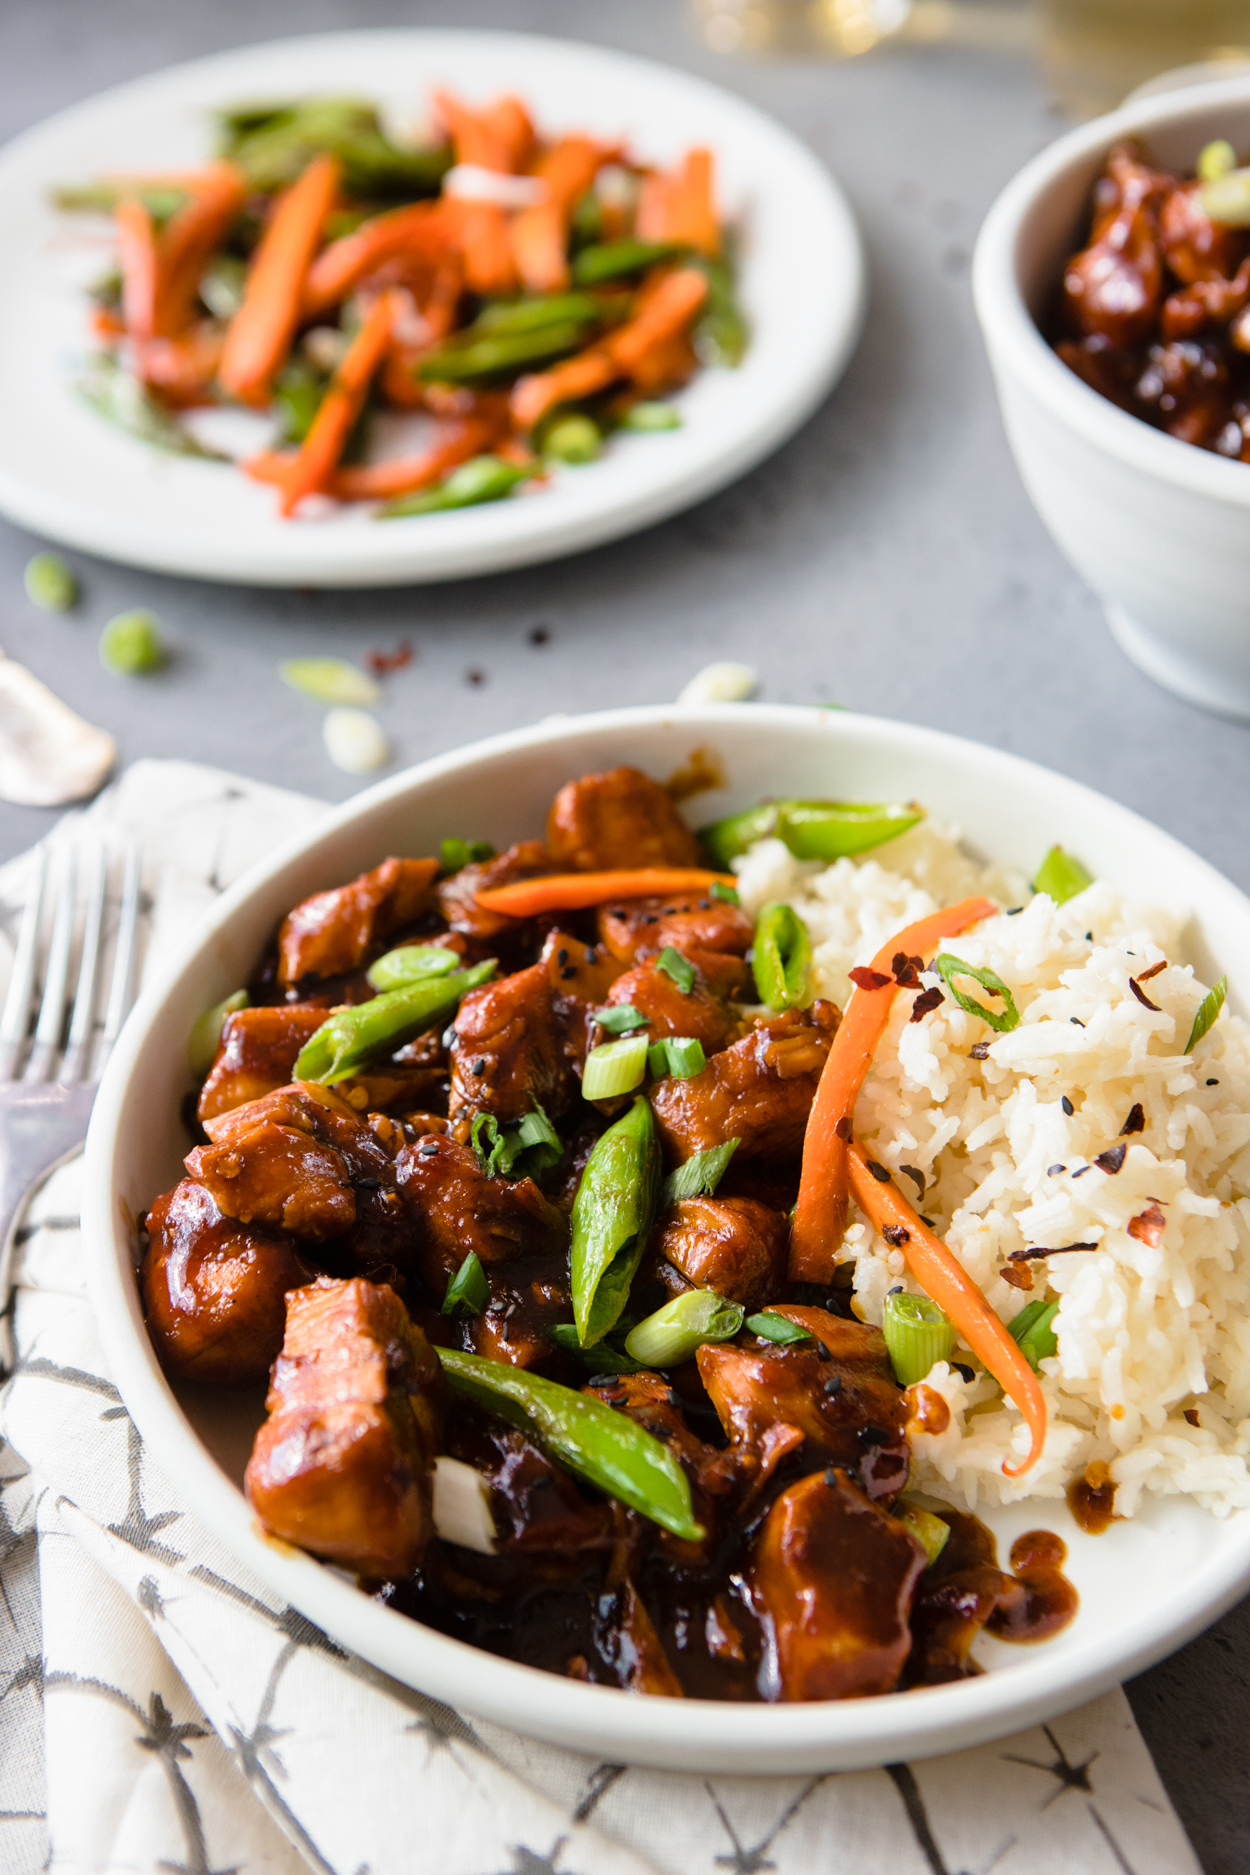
column 101, row 198
column 485, row 478
column 273, row 143
column 721, row 333
column 607, row 1448
column 491, row 355
column 351, row 1038
column 782, row 959
column 812, row 829
column 612, row 1213
column 531, row 315
column 613, row 260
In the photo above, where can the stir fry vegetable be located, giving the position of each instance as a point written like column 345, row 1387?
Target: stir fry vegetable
column 917, row 1335
column 811, row 829
column 782, row 963
column 611, row 1217
column 351, row 1038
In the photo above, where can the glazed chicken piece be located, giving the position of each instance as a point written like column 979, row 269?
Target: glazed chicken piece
column 641, row 927
column 508, row 1051
column 759, row 1091
column 1114, row 286
column 457, row 896
column 1186, row 385
column 670, row 1010
column 342, row 1465
column 648, row 1398
column 736, row 1246
column 620, row 818
column 579, row 979
column 258, row 1052
column 458, row 1209
column 214, row 1293
column 832, row 1580
column 836, row 1394
column 334, row 932
column 1195, row 247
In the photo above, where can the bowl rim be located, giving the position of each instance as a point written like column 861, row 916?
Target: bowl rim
column 1015, row 341
column 856, row 1734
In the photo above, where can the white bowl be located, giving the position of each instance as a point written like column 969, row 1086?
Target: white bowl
column 1159, row 528
column 1145, row 1586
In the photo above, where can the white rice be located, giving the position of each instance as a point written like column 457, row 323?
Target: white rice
column 1144, row 1331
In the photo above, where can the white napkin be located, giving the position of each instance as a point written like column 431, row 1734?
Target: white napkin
column 192, row 1724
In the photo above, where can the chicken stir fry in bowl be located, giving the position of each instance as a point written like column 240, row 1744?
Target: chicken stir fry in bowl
column 521, row 1180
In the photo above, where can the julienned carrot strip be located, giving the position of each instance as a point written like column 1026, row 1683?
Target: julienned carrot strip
column 820, row 1214
column 691, row 207
column 319, row 453
column 943, row 1277
column 405, row 475
column 537, row 236
column 499, row 136
column 582, row 376
column 666, row 306
column 574, row 891
column 187, row 243
column 182, row 369
column 480, row 229
column 338, row 267
column 136, row 255
column 261, row 331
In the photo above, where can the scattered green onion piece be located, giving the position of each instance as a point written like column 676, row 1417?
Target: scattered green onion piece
column 1032, row 1332
column 351, row 1038
column 771, row 1327
column 699, row 1176
column 619, row 1018
column 1226, row 198
column 727, row 894
column 485, row 478
column 674, row 1332
column 331, row 680
column 49, row 583
column 929, row 1531
column 1208, row 1009
column 205, row 1036
column 1215, row 159
column 650, row 418
column 609, row 1449
column 573, row 439
column 674, row 965
column 130, row 644
column 678, row 1055
column 611, row 1220
column 614, row 1068
column 1061, row 876
column 412, row 963
column 782, row 959
column 456, row 854
column 468, row 1289
column 528, row 1145
column 606, row 1357
column 825, row 830
column 948, row 967
column 917, row 1335
column 613, row 260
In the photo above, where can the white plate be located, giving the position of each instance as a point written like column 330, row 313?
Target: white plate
column 1145, row 1586
column 65, row 473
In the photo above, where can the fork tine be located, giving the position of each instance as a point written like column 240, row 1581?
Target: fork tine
column 56, row 972
column 124, row 955
column 16, row 1015
column 78, row 1048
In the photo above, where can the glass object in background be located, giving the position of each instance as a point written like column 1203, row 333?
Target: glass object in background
column 1094, row 52
column 836, row 28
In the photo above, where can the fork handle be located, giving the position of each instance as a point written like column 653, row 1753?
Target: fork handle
column 38, row 1130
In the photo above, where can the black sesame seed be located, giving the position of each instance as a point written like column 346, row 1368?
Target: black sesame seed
column 428, row 1148
column 369, row 1184
column 1067, row 1106
column 896, row 1291
column 1213, row 1082
column 570, row 970
column 830, row 1477
column 1089, row 937
column 822, row 1352
column 843, row 1128
column 965, row 1373
column 1053, row 1171
column 604, row 1380
column 562, row 957
column 1080, row 1172
column 873, row 1435
column 592, row 955
column 479, row 1066
column 1014, row 911
column 651, row 918
column 1076, row 1022
column 1136, row 1120
column 928, row 1221
column 450, row 1038
column 833, row 1386
column 705, row 904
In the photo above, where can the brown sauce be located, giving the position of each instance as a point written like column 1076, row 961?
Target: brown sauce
column 1091, row 1499
column 966, row 1591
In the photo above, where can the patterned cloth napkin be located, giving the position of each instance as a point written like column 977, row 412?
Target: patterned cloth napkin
column 180, row 1719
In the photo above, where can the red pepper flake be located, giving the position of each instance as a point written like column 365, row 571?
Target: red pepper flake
column 1191, row 1415
column 1144, row 976
column 1141, row 995
column 879, row 1172
column 1136, row 1122
column 1019, row 1275
column 980, row 1051
column 927, row 1000
column 1112, row 1159
column 915, row 1175
column 865, row 979
column 1148, row 1226
column 896, row 1235
column 382, row 663
column 843, row 1128
column 907, row 970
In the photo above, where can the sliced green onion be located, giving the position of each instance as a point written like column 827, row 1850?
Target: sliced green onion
column 1208, row 1009
column 49, row 583
column 485, row 478
column 1215, row 159
column 917, row 1335
column 727, row 894
column 611, row 1220
column 614, row 1068
column 573, row 439
column 948, row 967
column 772, row 1327
column 456, row 854
column 606, row 1357
column 205, row 1037
column 618, row 1018
column 410, row 964
column 825, row 830
column 929, row 1531
column 1226, row 198
column 468, row 1289
column 782, row 959
column 611, row 260
column 1032, row 1332
column 350, row 1038
column 679, row 968
column 130, row 644
column 678, row 1055
column 700, row 1175
column 609, row 1449
column 331, row 680
column 674, row 1332
column 528, row 1145
column 1061, row 877
column 650, row 418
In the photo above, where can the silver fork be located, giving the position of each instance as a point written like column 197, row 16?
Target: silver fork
column 46, row 1095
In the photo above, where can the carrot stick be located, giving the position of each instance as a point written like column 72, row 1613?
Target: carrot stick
column 261, row 331
column 319, row 453
column 666, row 306
column 136, row 254
column 338, row 267
column 574, row 891
column 187, row 242
column 537, row 237
column 499, row 137
column 654, row 212
column 541, row 391
column 943, row 1277
column 691, row 208
column 404, row 475
column 820, row 1214
column 481, row 233
column 182, row 369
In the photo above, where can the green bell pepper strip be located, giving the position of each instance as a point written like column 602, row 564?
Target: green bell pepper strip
column 611, row 1218
column 412, row 963
column 825, row 830
column 606, row 1448
column 351, row 1038
column 1061, row 876
column 930, row 1532
column 782, row 960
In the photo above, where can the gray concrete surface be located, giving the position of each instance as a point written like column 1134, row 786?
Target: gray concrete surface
column 887, row 558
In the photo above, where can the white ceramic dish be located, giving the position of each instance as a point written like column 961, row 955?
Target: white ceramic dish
column 1145, row 1586
column 1159, row 528
column 66, row 473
